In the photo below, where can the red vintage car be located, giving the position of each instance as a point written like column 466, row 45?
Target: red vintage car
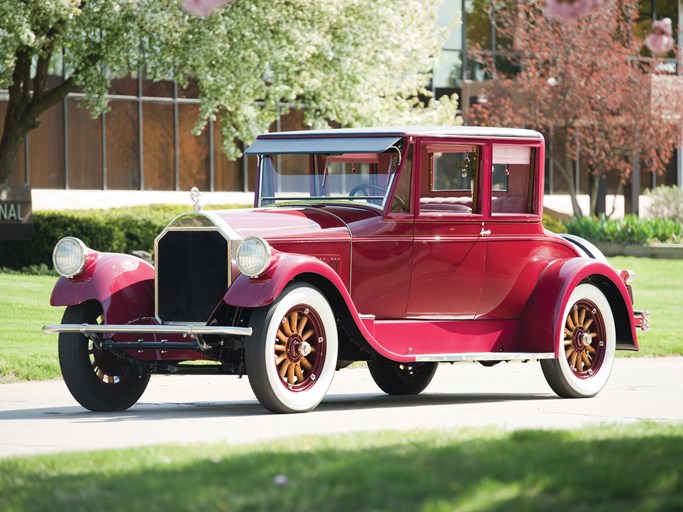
column 402, row 247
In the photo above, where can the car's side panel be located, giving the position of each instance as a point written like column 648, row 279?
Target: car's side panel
column 541, row 320
column 514, row 262
column 253, row 293
column 122, row 284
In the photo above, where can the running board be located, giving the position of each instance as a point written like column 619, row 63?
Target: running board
column 485, row 356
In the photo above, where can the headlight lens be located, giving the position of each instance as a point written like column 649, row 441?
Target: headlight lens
column 70, row 256
column 253, row 256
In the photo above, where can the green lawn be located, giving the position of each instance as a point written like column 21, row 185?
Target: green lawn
column 658, row 287
column 26, row 353
column 634, row 468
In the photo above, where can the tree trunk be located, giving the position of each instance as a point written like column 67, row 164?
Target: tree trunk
column 12, row 136
column 29, row 97
column 566, row 171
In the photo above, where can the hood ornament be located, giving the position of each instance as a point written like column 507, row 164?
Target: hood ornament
column 194, row 195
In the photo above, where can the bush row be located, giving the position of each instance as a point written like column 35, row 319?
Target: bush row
column 117, row 230
column 629, row 230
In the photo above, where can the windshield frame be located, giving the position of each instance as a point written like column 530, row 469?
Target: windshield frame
column 319, row 160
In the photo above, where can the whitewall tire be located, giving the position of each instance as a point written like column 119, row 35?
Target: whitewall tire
column 587, row 343
column 291, row 356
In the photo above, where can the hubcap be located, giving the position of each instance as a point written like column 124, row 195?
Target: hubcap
column 584, row 339
column 299, row 348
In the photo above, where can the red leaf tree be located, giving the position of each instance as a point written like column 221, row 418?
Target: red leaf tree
column 584, row 80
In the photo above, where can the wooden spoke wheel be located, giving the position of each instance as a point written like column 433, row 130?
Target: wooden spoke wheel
column 299, row 348
column 97, row 380
column 587, row 345
column 291, row 355
column 584, row 339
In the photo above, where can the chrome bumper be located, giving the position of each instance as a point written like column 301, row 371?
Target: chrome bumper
column 191, row 331
column 642, row 319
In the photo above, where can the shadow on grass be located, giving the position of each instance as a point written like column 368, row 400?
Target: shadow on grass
column 635, row 468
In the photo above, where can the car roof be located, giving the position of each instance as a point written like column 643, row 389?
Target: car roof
column 402, row 131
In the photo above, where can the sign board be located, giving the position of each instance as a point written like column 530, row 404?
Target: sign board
column 16, row 218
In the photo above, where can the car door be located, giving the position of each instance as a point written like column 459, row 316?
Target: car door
column 447, row 259
column 517, row 250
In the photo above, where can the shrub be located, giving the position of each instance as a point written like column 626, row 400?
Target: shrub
column 629, row 230
column 553, row 224
column 666, row 203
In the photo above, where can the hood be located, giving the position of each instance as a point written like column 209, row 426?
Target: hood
column 325, row 222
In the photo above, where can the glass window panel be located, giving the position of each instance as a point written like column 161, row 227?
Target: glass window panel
column 127, row 86
column 227, row 174
column 448, row 72
column 85, row 147
column 193, row 150
column 161, row 88
column 449, row 179
column 512, row 181
column 158, row 146
column 46, row 150
column 449, row 11
column 123, row 145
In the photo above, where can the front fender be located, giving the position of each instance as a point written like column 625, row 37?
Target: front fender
column 541, row 320
column 122, row 284
column 248, row 292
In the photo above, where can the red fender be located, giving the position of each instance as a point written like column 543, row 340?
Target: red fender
column 122, row 284
column 248, row 292
column 541, row 319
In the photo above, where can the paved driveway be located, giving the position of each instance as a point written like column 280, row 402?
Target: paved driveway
column 41, row 417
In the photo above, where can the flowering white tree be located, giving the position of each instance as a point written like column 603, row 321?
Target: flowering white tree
column 349, row 62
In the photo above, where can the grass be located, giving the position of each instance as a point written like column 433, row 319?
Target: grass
column 25, row 352
column 635, row 468
column 657, row 288
column 28, row 354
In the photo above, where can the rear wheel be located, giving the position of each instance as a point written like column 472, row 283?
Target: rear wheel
column 291, row 355
column 402, row 378
column 587, row 345
column 98, row 380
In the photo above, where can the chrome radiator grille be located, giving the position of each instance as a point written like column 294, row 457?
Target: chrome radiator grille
column 192, row 274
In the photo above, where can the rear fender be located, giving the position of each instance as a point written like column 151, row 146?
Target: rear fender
column 248, row 292
column 122, row 284
column 541, row 320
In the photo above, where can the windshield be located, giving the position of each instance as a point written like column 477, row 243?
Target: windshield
column 359, row 178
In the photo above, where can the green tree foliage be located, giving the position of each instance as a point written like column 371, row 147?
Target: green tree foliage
column 348, row 62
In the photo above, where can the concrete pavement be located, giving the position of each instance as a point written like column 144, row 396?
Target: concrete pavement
column 42, row 417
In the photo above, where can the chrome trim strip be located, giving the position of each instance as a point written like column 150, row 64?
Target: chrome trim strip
column 186, row 330
column 486, row 356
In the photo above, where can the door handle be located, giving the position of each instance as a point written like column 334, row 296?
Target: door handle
column 484, row 232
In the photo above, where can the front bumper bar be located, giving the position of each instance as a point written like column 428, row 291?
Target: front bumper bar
column 191, row 331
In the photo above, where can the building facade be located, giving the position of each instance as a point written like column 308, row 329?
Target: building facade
column 145, row 141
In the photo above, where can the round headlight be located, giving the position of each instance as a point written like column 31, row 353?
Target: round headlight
column 70, row 256
column 253, row 256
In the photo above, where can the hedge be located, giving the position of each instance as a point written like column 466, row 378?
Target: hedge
column 629, row 230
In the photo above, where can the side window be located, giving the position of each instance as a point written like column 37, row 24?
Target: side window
column 449, row 178
column 513, row 180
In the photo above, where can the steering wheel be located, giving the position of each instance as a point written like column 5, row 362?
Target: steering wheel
column 367, row 189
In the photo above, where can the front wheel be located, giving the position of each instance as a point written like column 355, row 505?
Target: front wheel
column 402, row 378
column 97, row 379
column 587, row 345
column 291, row 355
